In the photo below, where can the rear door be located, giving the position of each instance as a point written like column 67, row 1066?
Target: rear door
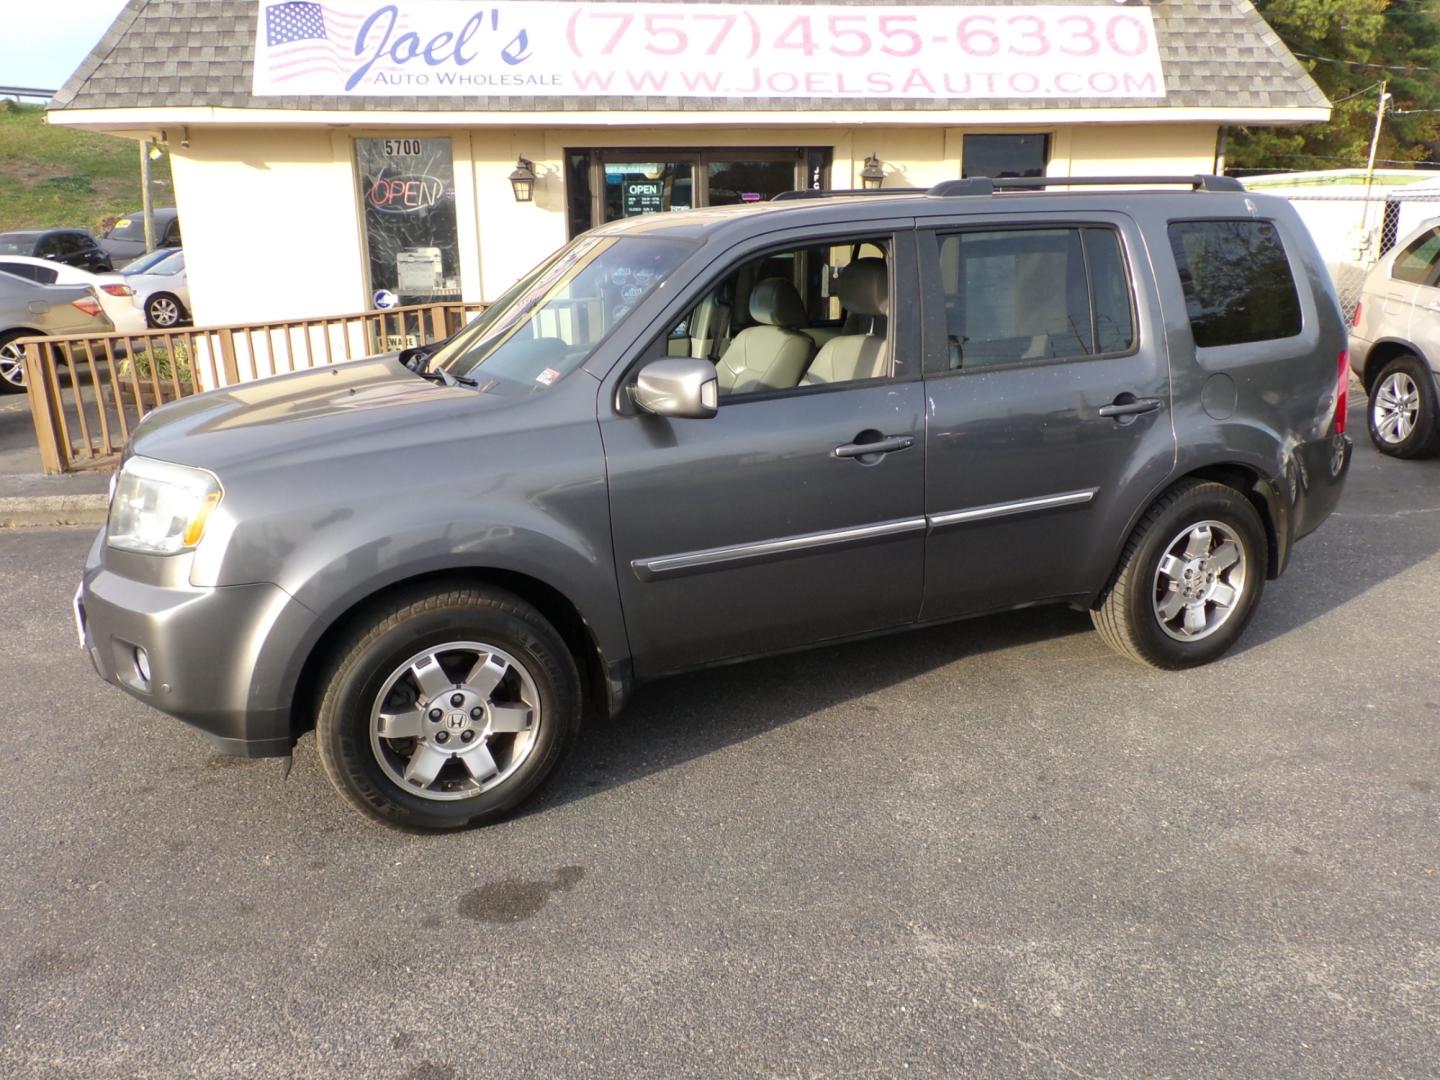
column 1420, row 263
column 1049, row 406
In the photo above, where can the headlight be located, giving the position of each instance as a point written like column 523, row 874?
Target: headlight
column 160, row 508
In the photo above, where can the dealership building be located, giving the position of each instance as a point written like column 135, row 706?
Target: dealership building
column 329, row 155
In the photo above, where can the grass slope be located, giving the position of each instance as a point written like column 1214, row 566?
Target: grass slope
column 54, row 176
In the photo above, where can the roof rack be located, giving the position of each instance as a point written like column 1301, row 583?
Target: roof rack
column 986, row 186
column 832, row 193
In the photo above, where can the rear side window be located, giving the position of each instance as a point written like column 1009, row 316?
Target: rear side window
column 41, row 275
column 1237, row 281
column 1416, row 263
column 1024, row 295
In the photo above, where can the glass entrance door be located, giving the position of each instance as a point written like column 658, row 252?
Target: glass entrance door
column 633, row 188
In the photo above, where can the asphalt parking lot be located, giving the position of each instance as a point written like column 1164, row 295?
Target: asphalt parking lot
column 990, row 849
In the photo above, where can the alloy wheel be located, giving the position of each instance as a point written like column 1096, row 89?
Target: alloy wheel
column 1396, row 407
column 12, row 364
column 164, row 311
column 1200, row 581
column 455, row 720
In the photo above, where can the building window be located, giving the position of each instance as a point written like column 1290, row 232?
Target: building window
column 604, row 185
column 998, row 156
column 407, row 187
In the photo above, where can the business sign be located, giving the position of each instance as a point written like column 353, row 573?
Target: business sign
column 549, row 48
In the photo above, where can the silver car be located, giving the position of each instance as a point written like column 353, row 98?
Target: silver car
column 1395, row 345
column 28, row 309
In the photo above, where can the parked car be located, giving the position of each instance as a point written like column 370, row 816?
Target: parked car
column 688, row 439
column 116, row 296
column 73, row 247
column 162, row 293
column 125, row 240
column 1395, row 345
column 28, row 309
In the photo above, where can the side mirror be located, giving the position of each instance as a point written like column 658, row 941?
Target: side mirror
column 678, row 386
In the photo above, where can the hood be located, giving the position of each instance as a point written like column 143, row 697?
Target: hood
column 323, row 412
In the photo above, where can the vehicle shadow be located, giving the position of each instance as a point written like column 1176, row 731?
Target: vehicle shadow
column 676, row 720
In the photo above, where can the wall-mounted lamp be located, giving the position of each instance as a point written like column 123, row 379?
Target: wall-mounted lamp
column 522, row 180
column 185, row 137
column 872, row 176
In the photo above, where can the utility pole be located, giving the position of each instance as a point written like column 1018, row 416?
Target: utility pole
column 1375, row 139
column 1366, row 244
column 146, row 207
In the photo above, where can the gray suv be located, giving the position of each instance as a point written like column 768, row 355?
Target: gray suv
column 688, row 439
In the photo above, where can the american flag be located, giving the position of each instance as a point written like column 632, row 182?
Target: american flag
column 305, row 38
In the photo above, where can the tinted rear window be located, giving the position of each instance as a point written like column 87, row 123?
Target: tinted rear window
column 1237, row 281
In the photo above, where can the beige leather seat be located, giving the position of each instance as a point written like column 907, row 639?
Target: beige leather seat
column 864, row 290
column 773, row 355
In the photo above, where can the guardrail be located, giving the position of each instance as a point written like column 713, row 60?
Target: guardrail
column 88, row 392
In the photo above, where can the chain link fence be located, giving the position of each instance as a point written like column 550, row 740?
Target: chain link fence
column 1353, row 231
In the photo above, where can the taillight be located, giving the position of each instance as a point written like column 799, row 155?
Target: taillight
column 89, row 307
column 118, row 290
column 1342, row 393
column 1355, row 319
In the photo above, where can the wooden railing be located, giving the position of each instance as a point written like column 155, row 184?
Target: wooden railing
column 87, row 393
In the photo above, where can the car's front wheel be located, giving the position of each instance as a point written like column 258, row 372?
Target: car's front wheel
column 1402, row 413
column 1189, row 579
column 163, row 311
column 12, row 363
column 447, row 708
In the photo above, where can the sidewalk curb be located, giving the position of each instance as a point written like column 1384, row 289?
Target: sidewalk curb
column 29, row 511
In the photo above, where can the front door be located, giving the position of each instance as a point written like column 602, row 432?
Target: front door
column 771, row 525
column 1050, row 410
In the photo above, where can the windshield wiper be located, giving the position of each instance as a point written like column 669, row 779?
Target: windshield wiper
column 440, row 375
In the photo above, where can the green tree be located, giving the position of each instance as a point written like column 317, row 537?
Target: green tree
column 1349, row 47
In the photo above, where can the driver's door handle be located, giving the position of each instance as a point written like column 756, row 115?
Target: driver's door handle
column 1133, row 407
column 886, row 445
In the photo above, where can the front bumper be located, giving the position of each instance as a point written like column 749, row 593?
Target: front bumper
column 217, row 658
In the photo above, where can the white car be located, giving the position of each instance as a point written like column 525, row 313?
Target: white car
column 1395, row 345
column 161, row 291
column 115, row 294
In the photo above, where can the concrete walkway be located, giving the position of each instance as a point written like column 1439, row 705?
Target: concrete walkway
column 30, row 498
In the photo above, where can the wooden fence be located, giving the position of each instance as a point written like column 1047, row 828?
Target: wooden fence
column 87, row 393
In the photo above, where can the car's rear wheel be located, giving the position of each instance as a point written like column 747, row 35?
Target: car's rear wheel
column 162, row 311
column 1402, row 413
column 1189, row 579
column 447, row 708
column 12, row 362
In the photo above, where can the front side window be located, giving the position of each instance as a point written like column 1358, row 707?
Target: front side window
column 549, row 322
column 1237, row 281
column 796, row 318
column 1028, row 295
column 1416, row 264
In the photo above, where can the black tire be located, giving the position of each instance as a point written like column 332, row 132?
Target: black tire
column 159, row 314
column 381, row 644
column 12, row 377
column 1129, row 617
column 1386, row 414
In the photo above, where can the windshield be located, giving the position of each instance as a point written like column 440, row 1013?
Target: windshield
column 144, row 263
column 172, row 263
column 550, row 322
column 128, row 228
column 16, row 244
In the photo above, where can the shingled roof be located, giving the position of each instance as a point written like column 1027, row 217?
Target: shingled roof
column 1217, row 54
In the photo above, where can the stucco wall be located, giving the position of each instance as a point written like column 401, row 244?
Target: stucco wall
column 272, row 229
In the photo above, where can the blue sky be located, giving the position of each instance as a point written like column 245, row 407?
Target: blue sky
column 44, row 42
